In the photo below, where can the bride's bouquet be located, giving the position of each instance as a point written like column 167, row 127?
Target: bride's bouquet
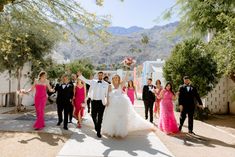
column 128, row 61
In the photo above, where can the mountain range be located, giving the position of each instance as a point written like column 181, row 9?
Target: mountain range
column 122, row 43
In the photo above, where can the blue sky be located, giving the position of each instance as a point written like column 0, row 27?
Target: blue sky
column 129, row 13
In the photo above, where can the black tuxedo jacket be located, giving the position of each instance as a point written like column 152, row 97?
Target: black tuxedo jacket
column 188, row 98
column 64, row 96
column 147, row 95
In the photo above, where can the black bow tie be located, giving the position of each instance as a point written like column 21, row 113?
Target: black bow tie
column 99, row 81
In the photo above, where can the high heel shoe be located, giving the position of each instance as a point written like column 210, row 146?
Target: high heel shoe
column 78, row 125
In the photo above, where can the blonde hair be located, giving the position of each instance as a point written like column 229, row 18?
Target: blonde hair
column 79, row 81
column 119, row 81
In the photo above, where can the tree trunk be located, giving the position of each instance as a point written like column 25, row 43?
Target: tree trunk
column 9, row 81
column 9, row 89
column 19, row 99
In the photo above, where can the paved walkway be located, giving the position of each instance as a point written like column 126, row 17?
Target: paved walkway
column 209, row 141
column 84, row 142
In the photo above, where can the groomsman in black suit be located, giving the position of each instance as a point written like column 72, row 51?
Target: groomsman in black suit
column 187, row 96
column 64, row 100
column 148, row 97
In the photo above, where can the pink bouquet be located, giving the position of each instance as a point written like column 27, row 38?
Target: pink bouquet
column 128, row 61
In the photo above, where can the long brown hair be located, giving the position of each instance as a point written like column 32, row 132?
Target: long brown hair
column 128, row 86
column 168, row 83
column 158, row 81
column 41, row 74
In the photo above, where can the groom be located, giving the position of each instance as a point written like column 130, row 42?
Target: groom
column 98, row 94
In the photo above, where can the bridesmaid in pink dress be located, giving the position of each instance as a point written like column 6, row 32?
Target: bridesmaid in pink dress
column 79, row 98
column 167, row 121
column 40, row 98
column 158, row 90
column 131, row 91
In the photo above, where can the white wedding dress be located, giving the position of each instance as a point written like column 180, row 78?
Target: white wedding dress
column 120, row 117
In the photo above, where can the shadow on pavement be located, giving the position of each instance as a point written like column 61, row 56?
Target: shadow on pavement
column 46, row 138
column 78, row 136
column 198, row 140
column 131, row 145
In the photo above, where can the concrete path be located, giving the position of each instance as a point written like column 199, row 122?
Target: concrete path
column 209, row 141
column 84, row 143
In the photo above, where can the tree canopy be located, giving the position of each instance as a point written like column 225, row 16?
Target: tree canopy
column 223, row 47
column 201, row 16
column 21, row 43
column 85, row 66
column 30, row 28
column 62, row 13
column 190, row 58
column 216, row 18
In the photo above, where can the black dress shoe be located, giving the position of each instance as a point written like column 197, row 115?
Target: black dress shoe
column 70, row 122
column 95, row 128
column 99, row 135
column 191, row 132
column 65, row 128
column 180, row 128
column 58, row 124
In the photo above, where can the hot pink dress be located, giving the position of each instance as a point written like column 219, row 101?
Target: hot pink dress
column 131, row 94
column 79, row 99
column 167, row 121
column 40, row 100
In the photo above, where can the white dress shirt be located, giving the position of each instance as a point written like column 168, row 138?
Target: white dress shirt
column 188, row 88
column 97, row 91
column 65, row 85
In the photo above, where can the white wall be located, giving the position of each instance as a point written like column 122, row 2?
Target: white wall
column 218, row 98
column 25, row 83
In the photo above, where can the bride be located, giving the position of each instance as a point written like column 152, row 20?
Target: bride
column 119, row 115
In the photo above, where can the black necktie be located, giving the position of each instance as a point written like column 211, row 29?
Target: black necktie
column 99, row 81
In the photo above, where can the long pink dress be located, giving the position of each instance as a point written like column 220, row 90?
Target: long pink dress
column 167, row 121
column 40, row 100
column 131, row 94
column 79, row 99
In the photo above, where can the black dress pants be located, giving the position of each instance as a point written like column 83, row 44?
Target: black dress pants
column 70, row 112
column 97, row 111
column 148, row 109
column 60, row 109
column 190, row 113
